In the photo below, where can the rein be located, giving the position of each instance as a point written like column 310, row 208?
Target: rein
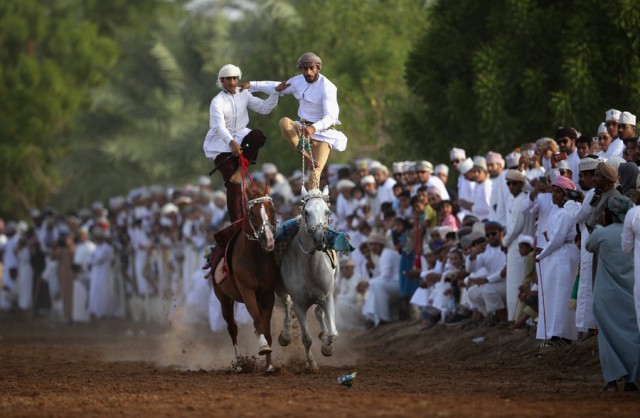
column 254, row 234
column 304, row 144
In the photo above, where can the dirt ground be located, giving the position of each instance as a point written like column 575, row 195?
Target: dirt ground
column 118, row 368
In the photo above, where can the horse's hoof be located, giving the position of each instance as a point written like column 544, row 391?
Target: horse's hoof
column 321, row 335
column 326, row 350
column 283, row 341
column 270, row 369
column 265, row 349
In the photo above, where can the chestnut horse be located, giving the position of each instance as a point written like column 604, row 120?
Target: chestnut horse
column 253, row 272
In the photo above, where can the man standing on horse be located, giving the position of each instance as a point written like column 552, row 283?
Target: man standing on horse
column 228, row 135
column 318, row 112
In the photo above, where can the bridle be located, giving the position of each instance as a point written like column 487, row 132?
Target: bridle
column 312, row 229
column 259, row 234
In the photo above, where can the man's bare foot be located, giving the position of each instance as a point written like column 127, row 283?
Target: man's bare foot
column 236, row 177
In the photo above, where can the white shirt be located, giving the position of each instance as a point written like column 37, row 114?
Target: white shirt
column 493, row 259
column 228, row 118
column 318, row 105
column 616, row 148
column 481, row 199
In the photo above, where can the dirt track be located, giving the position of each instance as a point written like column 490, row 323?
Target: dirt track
column 115, row 368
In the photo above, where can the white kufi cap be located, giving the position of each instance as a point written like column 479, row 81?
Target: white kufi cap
column 627, row 118
column 602, row 128
column 465, row 166
column 513, row 159
column 612, row 114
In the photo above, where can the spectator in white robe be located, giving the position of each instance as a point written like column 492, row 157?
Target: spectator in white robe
column 10, row 267
column 609, row 147
column 566, row 139
column 25, row 270
column 346, row 204
column 383, row 295
column 465, row 186
column 142, row 247
column 384, row 182
column 349, row 296
column 556, row 323
column 371, row 209
column 424, row 178
column 611, row 118
column 488, row 294
column 479, row 206
column 101, row 276
column 81, row 266
column 190, row 232
column 631, row 245
column 499, row 190
column 584, row 302
column 517, row 224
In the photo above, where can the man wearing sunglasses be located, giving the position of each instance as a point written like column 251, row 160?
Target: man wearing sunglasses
column 488, row 293
column 318, row 112
column 566, row 139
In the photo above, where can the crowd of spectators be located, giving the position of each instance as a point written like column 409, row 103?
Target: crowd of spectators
column 545, row 238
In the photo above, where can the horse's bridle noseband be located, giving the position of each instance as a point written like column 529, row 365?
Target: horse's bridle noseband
column 260, row 232
column 322, row 226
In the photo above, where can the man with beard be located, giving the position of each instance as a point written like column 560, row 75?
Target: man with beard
column 556, row 324
column 318, row 111
column 566, row 139
column 584, row 303
column 604, row 182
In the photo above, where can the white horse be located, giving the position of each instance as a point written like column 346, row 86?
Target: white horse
column 309, row 275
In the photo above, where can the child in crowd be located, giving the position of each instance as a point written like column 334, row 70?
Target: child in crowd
column 528, row 292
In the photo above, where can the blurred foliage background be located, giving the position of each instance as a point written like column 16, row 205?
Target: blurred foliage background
column 98, row 97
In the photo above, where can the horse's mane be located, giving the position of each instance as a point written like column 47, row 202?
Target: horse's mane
column 253, row 192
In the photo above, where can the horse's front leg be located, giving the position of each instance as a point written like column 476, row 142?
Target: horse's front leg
column 267, row 302
column 330, row 320
column 251, row 302
column 301, row 314
column 284, row 339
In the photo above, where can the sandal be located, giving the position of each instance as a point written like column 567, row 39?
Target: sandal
column 630, row 387
column 610, row 387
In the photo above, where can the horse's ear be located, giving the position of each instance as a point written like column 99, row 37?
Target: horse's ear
column 304, row 193
column 325, row 191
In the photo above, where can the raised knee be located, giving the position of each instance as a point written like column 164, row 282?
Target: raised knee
column 285, row 123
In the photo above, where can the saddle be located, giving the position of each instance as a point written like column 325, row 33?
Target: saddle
column 221, row 254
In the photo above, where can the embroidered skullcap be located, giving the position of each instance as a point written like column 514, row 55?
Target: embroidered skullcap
column 297, row 175
column 515, row 175
column 434, row 190
column 367, row 180
column 269, row 168
column 627, row 118
column 397, row 167
column 229, row 70
column 564, row 165
column 512, row 159
column 347, row 262
column 494, row 158
column 493, row 226
column 379, row 168
column 564, row 183
column 441, row 168
column 608, row 172
column 526, row 239
column 34, row 213
column 116, row 202
column 619, row 206
column 457, row 154
column 465, row 166
column 562, row 132
column 11, row 227
column 204, row 181
column 602, row 128
column 480, row 162
column 615, row 162
column 219, row 194
column 409, row 166
column 612, row 114
column 309, row 59
column 588, row 164
column 424, row 166
column 97, row 205
column 345, row 184
column 376, row 238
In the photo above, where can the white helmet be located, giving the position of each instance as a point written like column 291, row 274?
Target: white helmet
column 230, row 70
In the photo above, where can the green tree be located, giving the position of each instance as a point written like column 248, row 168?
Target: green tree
column 51, row 58
column 495, row 74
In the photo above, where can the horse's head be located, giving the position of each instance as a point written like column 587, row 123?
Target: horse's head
column 261, row 217
column 316, row 215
